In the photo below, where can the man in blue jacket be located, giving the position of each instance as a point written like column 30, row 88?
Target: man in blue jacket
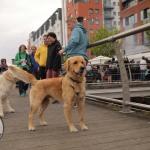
column 78, row 39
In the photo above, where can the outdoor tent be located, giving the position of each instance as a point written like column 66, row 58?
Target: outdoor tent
column 99, row 60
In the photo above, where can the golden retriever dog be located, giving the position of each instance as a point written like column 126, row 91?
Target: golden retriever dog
column 7, row 82
column 69, row 90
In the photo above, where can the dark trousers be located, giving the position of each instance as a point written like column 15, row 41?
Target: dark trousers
column 22, row 87
column 42, row 72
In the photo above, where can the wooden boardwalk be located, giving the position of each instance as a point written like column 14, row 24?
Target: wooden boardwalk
column 108, row 129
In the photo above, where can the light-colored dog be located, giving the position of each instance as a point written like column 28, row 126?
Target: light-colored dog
column 7, row 82
column 68, row 89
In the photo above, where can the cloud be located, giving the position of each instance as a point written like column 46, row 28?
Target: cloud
column 18, row 19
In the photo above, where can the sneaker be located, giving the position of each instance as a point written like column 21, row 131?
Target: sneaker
column 23, row 94
column 75, row 105
column 55, row 102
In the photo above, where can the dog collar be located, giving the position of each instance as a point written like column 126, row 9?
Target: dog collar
column 74, row 80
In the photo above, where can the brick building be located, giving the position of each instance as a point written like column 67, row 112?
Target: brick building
column 134, row 13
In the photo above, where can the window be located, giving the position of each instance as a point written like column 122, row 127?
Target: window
column 91, row 21
column 75, row 12
column 91, row 11
column 144, row 13
column 96, row 21
column 96, row 11
column 96, row 1
column 130, row 20
column 115, row 23
column 114, row 3
column 114, row 13
column 118, row 13
column 91, row 31
column 86, row 1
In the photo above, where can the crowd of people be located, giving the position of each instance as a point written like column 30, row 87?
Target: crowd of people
column 44, row 61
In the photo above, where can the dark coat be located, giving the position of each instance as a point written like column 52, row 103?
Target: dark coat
column 53, row 58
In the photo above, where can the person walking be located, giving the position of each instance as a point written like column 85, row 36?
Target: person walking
column 77, row 45
column 143, row 68
column 53, row 63
column 22, row 60
column 41, row 57
column 34, row 65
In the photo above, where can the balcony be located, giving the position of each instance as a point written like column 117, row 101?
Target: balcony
column 108, row 6
column 108, row 16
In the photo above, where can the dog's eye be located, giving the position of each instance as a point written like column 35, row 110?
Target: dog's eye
column 82, row 62
column 75, row 62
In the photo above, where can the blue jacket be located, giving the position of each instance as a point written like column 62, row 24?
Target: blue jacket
column 34, row 64
column 78, row 42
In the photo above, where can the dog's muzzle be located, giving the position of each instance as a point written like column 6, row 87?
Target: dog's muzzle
column 80, row 73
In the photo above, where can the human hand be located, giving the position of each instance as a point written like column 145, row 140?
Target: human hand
column 61, row 52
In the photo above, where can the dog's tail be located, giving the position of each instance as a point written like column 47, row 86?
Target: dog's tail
column 22, row 75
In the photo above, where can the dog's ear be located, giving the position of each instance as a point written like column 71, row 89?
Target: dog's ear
column 66, row 64
column 8, row 76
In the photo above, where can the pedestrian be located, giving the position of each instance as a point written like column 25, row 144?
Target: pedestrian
column 77, row 45
column 41, row 57
column 3, row 65
column 22, row 60
column 53, row 64
column 143, row 68
column 34, row 65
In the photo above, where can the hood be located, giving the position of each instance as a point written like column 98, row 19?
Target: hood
column 80, row 25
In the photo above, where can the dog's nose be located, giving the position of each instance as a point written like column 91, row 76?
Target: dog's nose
column 82, row 68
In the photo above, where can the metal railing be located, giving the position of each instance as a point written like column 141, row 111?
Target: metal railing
column 126, row 103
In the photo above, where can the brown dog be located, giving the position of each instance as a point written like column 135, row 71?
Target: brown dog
column 68, row 89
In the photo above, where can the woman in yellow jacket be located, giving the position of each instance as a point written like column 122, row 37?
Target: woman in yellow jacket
column 41, row 57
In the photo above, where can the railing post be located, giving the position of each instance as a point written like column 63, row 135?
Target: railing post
column 124, row 79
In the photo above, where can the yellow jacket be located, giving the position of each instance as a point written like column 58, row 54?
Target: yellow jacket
column 41, row 55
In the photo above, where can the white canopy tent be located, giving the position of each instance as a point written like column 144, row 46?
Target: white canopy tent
column 138, row 57
column 99, row 60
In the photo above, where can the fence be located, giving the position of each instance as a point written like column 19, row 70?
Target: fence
column 126, row 103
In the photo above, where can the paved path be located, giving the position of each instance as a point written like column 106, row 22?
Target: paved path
column 108, row 129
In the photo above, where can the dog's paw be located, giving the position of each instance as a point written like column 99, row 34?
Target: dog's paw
column 1, row 114
column 11, row 110
column 43, row 123
column 32, row 129
column 84, row 128
column 73, row 129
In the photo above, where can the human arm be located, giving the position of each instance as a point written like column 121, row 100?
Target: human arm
column 37, row 56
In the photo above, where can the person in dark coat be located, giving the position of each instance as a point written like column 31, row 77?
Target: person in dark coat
column 53, row 64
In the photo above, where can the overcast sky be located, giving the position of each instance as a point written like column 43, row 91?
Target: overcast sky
column 18, row 18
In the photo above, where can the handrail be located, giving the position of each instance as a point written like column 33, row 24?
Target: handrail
column 113, row 38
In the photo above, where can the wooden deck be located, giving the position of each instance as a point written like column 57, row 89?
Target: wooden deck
column 108, row 129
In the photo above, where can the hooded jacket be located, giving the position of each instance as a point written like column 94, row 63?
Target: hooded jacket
column 78, row 42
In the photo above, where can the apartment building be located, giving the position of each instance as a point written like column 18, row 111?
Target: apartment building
column 52, row 24
column 96, row 13
column 134, row 13
column 111, row 11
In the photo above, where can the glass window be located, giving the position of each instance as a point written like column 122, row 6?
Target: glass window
column 96, row 21
column 86, row 1
column 114, row 13
column 91, row 31
column 91, row 11
column 114, row 3
column 96, row 1
column 96, row 11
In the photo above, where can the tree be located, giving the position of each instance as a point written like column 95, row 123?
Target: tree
column 104, row 49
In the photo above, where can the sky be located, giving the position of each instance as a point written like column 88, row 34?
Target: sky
column 18, row 18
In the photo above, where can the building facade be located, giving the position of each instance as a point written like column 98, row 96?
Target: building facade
column 52, row 24
column 134, row 13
